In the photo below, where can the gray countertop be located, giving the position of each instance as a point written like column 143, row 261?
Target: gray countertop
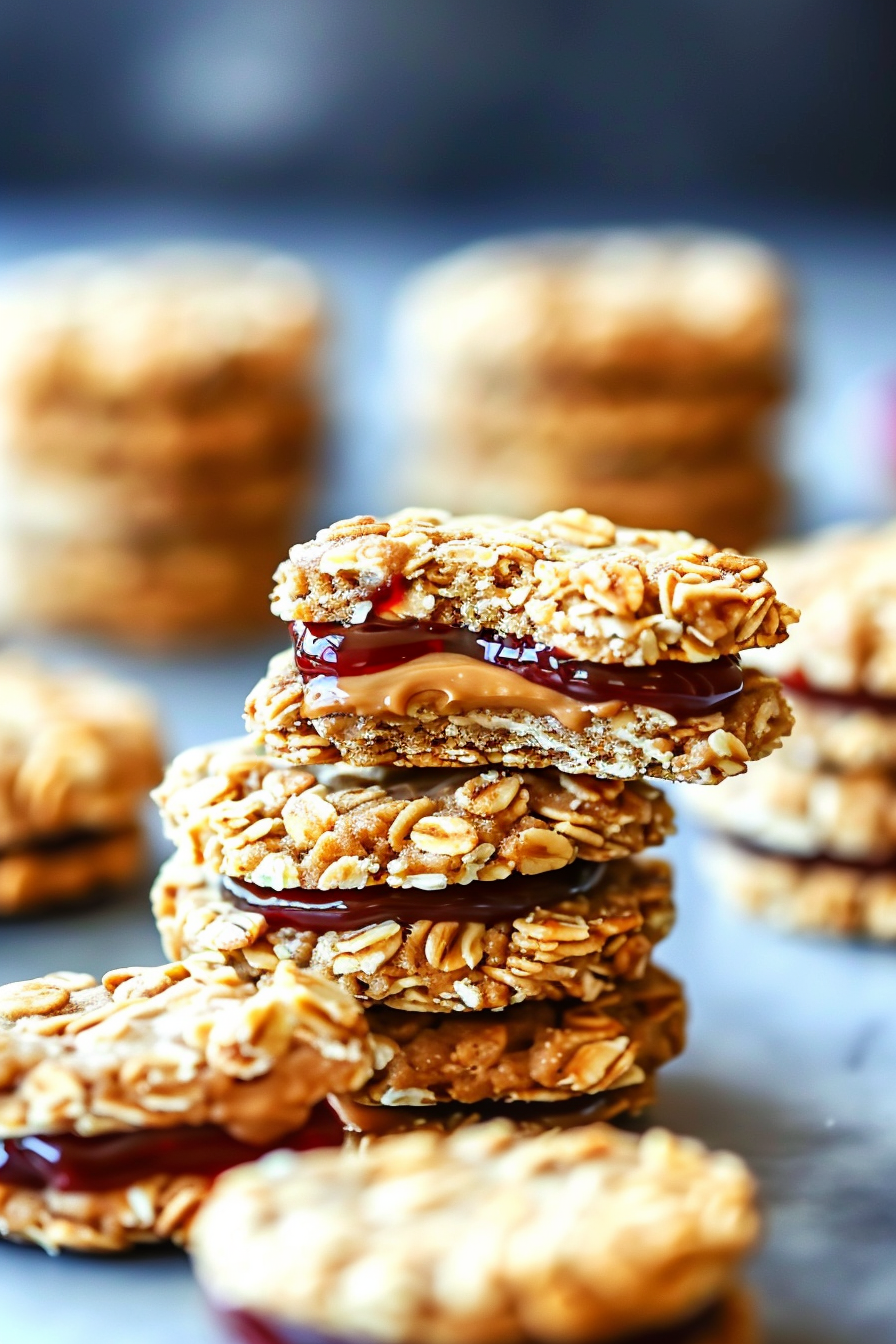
column 792, row 1053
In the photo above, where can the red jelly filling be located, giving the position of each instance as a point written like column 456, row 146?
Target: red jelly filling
column 485, row 902
column 880, row 704
column 685, row 690
column 70, row 1162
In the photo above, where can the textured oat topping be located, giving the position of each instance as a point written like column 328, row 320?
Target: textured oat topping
column 160, row 1208
column 569, row 950
column 77, row 752
column 844, row 579
column 571, row 580
column 535, row 1051
column 819, row 897
column 252, row 816
column 585, row 1235
column 664, row 307
column 187, row 1043
column 155, row 323
column 804, row 811
column 630, row 743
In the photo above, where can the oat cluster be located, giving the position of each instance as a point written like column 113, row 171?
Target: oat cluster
column 586, row 1235
column 570, row 949
column 188, row 1043
column 537, row 1051
column 571, row 580
column 160, row 1208
column 252, row 816
column 628, row 742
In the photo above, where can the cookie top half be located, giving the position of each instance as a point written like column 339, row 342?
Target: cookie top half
column 585, row 1235
column 187, row 1043
column 572, row 581
column 250, row 815
column 154, row 323
column 677, row 307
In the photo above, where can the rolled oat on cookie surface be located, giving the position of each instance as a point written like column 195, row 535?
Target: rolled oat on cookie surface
column 428, row 640
column 121, row 1101
column 485, row 1235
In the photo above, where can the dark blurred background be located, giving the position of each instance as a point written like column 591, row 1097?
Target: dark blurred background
column 792, row 100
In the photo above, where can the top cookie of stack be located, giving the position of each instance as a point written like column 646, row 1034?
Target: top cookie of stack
column 161, row 411
column 428, row 640
column 635, row 372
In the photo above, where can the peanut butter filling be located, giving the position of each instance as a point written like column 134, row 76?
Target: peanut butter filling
column 446, row 684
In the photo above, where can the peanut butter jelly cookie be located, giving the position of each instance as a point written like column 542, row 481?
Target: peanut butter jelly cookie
column 120, row 1102
column 482, row 1236
column 566, row 935
column 250, row 815
column 427, row 640
column 77, row 755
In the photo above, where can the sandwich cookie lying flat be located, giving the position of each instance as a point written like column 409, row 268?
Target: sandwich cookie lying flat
column 428, row 640
column 592, row 1235
column 77, row 754
column 120, row 1102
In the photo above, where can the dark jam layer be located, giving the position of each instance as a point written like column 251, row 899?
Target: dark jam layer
column 483, row 902
column 69, row 1162
column 250, row 1328
column 871, row 866
column 378, row 1120
column 684, row 690
column 880, row 704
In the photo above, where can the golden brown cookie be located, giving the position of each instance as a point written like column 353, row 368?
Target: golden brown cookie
column 146, row 1086
column 500, row 1237
column 568, row 939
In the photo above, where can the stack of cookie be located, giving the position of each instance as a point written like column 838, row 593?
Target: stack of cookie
column 446, row 809
column 636, row 373
column 78, row 753
column 809, row 841
column 160, row 418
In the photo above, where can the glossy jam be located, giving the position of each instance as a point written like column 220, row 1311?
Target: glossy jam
column 251, row 1328
column 685, row 690
column 485, row 902
column 880, row 704
column 69, row 1162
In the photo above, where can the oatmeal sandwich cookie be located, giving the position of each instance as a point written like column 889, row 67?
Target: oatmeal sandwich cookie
column 482, row 1236
column 78, row 753
column 120, row 1102
column 427, row 640
column 446, row 890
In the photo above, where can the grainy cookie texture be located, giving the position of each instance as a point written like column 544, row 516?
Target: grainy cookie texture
column 622, row 742
column 570, row 949
column 252, row 816
column 77, row 752
column 571, row 580
column 586, row 1235
column 188, row 1043
column 536, row 1051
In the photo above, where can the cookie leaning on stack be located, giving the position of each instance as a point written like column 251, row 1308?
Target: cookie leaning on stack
column 121, row 1102
column 810, row 841
column 77, row 755
column 161, row 411
column 635, row 372
column 402, row 826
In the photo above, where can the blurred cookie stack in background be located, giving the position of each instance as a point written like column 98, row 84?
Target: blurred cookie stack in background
column 160, row 418
column 809, row 840
column 634, row 374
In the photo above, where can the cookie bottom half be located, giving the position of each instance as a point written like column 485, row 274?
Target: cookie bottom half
column 72, row 869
